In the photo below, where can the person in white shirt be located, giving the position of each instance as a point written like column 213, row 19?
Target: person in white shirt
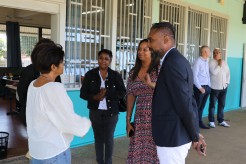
column 51, row 120
column 220, row 79
column 201, row 82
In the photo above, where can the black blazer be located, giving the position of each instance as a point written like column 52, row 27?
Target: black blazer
column 174, row 111
column 115, row 89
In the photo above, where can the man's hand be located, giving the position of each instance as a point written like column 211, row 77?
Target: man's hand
column 200, row 146
column 220, row 62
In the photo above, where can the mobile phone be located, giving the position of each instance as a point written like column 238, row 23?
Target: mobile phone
column 131, row 132
column 202, row 148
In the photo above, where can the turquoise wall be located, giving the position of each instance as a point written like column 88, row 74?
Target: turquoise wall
column 80, row 107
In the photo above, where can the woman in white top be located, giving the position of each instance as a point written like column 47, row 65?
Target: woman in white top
column 51, row 121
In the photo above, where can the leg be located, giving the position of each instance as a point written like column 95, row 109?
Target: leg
column 110, row 124
column 221, row 105
column 212, row 102
column 173, row 155
column 98, row 129
column 198, row 96
column 62, row 158
column 204, row 99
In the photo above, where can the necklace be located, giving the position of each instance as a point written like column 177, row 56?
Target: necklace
column 48, row 78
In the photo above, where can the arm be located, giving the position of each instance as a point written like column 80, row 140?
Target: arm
column 59, row 109
column 84, row 90
column 228, row 76
column 214, row 68
column 130, row 105
column 131, row 98
column 148, row 81
column 185, row 107
column 195, row 74
column 179, row 84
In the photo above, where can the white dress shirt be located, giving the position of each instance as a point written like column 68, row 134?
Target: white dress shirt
column 163, row 58
column 201, row 72
column 219, row 75
column 51, row 121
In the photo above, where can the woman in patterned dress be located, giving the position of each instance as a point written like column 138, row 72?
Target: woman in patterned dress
column 140, row 88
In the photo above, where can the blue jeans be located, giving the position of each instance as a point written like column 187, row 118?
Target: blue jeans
column 201, row 99
column 215, row 95
column 62, row 158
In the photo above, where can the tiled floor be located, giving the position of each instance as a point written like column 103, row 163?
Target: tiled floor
column 17, row 143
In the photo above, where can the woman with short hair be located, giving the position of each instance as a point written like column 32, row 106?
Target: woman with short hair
column 51, row 121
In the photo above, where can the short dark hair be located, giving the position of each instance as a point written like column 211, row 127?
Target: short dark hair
column 41, row 41
column 106, row 51
column 47, row 54
column 168, row 27
column 204, row 46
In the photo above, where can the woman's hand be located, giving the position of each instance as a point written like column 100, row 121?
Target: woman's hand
column 148, row 82
column 100, row 96
column 129, row 127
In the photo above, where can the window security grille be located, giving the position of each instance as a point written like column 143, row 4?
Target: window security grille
column 175, row 14
column 134, row 22
column 46, row 33
column 3, row 46
column 28, row 38
column 218, row 34
column 88, row 30
column 198, row 32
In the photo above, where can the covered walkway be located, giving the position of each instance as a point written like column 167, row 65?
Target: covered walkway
column 225, row 146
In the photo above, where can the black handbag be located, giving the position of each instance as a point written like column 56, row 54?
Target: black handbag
column 122, row 104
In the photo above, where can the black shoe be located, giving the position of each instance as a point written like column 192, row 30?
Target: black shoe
column 203, row 126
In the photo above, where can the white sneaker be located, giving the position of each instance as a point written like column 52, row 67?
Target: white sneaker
column 224, row 124
column 212, row 124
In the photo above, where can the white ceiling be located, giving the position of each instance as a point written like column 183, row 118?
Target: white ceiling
column 24, row 17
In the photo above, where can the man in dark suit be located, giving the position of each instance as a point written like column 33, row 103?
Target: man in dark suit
column 174, row 113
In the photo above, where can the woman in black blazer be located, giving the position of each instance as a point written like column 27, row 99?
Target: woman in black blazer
column 102, row 87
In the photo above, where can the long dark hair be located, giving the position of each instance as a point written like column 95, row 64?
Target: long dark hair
column 155, row 61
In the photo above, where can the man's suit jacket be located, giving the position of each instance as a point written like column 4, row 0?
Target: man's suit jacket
column 174, row 113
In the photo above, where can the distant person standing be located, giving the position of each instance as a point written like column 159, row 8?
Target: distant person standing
column 202, row 82
column 220, row 79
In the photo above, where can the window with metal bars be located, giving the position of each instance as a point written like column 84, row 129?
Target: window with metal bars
column 194, row 30
column 198, row 32
column 218, row 34
column 175, row 14
column 88, row 30
column 134, row 22
column 28, row 38
column 3, row 46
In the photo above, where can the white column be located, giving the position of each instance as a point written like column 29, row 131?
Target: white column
column 114, row 32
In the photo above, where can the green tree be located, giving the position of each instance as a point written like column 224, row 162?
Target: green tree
column 2, row 48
